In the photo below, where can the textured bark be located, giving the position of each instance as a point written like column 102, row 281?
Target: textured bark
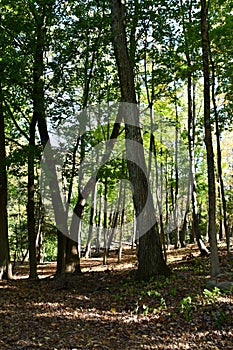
column 219, row 162
column 150, row 257
column 31, row 202
column 215, row 268
column 191, row 138
column 39, row 116
column 5, row 265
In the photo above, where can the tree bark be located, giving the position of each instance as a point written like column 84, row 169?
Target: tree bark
column 5, row 265
column 191, row 136
column 31, row 202
column 219, row 162
column 91, row 223
column 150, row 257
column 215, row 268
column 38, row 99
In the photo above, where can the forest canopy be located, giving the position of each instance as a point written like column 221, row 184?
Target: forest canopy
column 115, row 130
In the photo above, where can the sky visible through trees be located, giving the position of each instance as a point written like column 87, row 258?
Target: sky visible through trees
column 116, row 145
column 70, row 70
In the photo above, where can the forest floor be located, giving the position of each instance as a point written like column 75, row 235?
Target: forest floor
column 105, row 308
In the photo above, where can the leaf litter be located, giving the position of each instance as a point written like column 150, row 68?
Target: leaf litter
column 106, row 308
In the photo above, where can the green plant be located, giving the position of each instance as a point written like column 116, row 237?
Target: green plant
column 173, row 291
column 186, row 307
column 219, row 318
column 117, row 297
column 163, row 304
column 211, row 296
column 145, row 309
column 151, row 293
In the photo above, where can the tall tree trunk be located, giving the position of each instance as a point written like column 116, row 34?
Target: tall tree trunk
column 191, row 136
column 219, row 161
column 215, row 268
column 105, row 229
column 31, row 201
column 150, row 257
column 191, row 141
column 176, row 221
column 39, row 115
column 5, row 265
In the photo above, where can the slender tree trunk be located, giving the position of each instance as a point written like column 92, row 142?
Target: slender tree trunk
column 167, row 239
column 191, row 138
column 39, row 235
column 150, row 257
column 220, row 235
column 177, row 237
column 5, row 265
column 91, row 223
column 31, row 201
column 98, row 225
column 219, row 161
column 215, row 268
column 121, row 225
column 105, row 229
column 89, row 187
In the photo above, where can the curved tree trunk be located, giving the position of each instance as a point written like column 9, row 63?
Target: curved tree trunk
column 38, row 100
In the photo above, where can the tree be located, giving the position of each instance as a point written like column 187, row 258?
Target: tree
column 150, row 257
column 5, row 265
column 215, row 268
column 191, row 127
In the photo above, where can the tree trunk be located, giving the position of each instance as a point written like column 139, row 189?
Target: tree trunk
column 150, row 257
column 215, row 268
column 121, row 225
column 177, row 233
column 219, row 162
column 105, row 229
column 191, row 139
column 39, row 115
column 31, row 201
column 5, row 265
column 91, row 223
column 39, row 235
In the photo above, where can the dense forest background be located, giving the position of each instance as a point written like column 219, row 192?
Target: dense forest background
column 75, row 68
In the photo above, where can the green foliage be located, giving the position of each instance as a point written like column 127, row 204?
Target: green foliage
column 154, row 306
column 50, row 247
column 211, row 296
column 187, row 307
column 219, row 318
column 80, row 70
